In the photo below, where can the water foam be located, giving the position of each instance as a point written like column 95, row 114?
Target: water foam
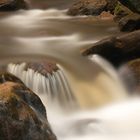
column 115, row 121
column 55, row 85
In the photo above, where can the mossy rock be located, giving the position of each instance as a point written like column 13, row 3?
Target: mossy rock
column 22, row 114
column 133, row 5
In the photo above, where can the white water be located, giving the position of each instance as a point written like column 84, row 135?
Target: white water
column 29, row 35
column 118, row 121
column 54, row 85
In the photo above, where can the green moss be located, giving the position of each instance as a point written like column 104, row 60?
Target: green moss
column 118, row 9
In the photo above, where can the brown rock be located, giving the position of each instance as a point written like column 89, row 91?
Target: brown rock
column 111, row 4
column 130, row 73
column 10, row 5
column 134, row 66
column 117, row 49
column 22, row 114
column 92, row 7
column 43, row 67
column 87, row 7
column 106, row 15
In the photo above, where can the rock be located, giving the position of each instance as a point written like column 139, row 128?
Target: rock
column 117, row 49
column 87, row 7
column 10, row 5
column 22, row 114
column 43, row 67
column 111, row 4
column 133, row 5
column 106, row 15
column 121, row 11
column 130, row 73
column 134, row 66
column 92, row 7
column 127, row 20
column 130, row 22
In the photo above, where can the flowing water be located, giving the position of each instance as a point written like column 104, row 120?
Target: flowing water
column 90, row 83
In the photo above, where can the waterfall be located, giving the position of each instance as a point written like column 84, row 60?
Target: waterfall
column 37, row 34
column 55, row 85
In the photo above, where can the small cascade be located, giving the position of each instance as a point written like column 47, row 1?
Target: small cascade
column 55, row 85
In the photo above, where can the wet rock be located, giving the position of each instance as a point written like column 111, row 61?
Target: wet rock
column 117, row 49
column 87, row 7
column 130, row 22
column 134, row 66
column 92, row 7
column 43, row 67
column 134, row 5
column 22, row 114
column 127, row 20
column 130, row 73
column 10, row 5
column 111, row 4
column 121, row 11
column 106, row 15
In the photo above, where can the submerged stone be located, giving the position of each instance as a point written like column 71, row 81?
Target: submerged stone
column 43, row 67
column 22, row 114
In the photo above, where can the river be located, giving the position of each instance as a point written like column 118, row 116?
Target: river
column 103, row 102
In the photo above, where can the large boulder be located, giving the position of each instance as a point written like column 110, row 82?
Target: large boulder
column 10, row 5
column 92, row 7
column 22, row 114
column 134, row 5
column 117, row 49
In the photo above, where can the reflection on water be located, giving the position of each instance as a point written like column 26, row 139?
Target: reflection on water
column 29, row 35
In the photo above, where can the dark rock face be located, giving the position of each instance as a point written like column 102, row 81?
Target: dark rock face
column 10, row 5
column 134, row 5
column 117, row 49
column 22, row 114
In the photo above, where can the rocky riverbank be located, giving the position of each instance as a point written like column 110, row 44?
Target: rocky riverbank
column 126, row 14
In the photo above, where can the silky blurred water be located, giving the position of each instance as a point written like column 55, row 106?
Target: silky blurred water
column 37, row 35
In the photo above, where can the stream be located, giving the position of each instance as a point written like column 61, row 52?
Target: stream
column 102, row 107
